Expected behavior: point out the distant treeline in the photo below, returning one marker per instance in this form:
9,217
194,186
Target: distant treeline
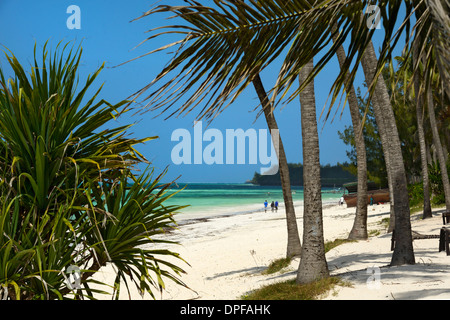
331,176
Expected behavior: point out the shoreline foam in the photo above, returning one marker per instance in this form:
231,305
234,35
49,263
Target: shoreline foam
189,217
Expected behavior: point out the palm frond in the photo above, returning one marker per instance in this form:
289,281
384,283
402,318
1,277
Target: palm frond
215,60
226,45
440,24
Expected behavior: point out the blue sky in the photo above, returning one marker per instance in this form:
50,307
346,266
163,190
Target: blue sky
107,35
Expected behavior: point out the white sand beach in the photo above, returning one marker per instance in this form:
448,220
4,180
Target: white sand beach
226,256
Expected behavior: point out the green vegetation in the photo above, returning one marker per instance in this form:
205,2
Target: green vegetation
290,290
224,48
277,265
385,222
415,190
376,167
331,176
436,184
333,244
70,198
282,263
404,109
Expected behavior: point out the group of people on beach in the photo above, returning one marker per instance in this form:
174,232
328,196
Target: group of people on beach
273,205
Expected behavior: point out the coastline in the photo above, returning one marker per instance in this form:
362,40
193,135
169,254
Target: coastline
226,255
189,217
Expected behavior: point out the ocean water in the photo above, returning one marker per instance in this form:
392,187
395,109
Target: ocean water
207,200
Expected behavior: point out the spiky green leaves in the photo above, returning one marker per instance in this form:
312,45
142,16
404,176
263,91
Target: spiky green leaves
70,196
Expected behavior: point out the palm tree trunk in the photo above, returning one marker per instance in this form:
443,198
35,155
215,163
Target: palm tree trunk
423,149
446,142
403,252
423,158
313,264
438,146
385,142
294,246
445,150
391,226
359,229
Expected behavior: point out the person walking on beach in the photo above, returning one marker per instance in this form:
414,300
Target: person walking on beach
265,206
276,205
341,202
272,205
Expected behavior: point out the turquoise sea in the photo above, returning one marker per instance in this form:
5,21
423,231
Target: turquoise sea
214,199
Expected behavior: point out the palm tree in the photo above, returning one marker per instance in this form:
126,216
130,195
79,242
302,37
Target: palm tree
422,143
403,253
293,245
216,62
359,229
439,149
434,31
385,141
313,263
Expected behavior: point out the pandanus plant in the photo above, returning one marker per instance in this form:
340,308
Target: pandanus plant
70,194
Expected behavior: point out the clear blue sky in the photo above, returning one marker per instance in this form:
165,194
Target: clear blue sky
107,35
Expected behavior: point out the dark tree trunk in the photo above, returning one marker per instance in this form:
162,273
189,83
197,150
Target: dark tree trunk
422,143
403,252
294,247
313,264
359,229
438,147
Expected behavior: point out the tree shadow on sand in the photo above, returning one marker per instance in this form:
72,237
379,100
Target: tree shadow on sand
246,271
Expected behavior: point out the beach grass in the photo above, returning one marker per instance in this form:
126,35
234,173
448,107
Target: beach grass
279,264
290,290
333,244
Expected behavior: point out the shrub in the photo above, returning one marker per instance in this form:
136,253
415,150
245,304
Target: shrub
415,192
436,184
69,195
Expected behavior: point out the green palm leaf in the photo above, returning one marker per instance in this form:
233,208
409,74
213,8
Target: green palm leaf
64,193
227,44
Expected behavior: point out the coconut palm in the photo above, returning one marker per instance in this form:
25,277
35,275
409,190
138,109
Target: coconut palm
435,65
391,147
422,143
293,240
223,47
439,149
359,229
276,26
405,92
313,263
221,70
